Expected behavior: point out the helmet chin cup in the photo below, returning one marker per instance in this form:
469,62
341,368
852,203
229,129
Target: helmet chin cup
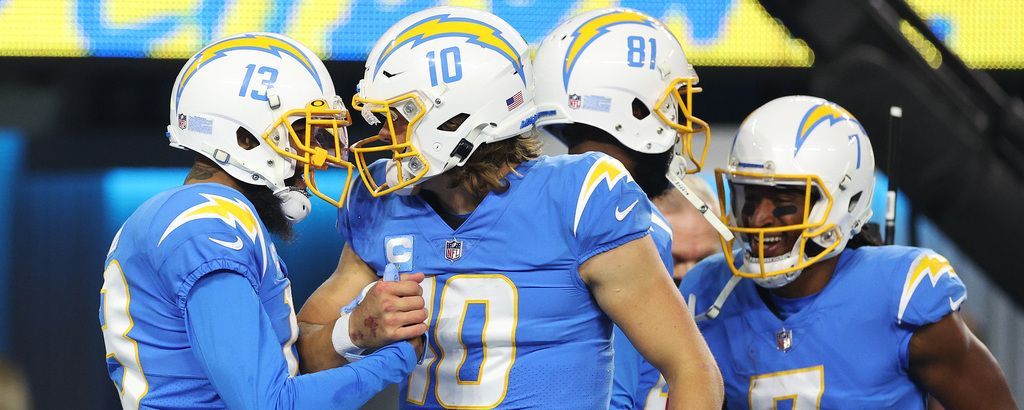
777,281
393,179
295,205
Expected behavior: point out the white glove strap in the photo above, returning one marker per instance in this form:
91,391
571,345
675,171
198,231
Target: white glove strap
340,339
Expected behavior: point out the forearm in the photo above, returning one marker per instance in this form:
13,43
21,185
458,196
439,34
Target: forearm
695,387
633,288
690,372
316,351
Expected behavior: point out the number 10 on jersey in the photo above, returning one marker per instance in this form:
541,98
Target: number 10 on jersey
477,310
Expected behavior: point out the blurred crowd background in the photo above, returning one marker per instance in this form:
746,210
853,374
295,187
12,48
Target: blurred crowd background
85,84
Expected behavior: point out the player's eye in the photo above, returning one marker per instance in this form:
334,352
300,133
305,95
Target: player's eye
323,138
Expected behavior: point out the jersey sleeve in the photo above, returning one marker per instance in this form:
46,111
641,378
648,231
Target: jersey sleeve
661,232
234,341
610,209
198,255
930,289
205,230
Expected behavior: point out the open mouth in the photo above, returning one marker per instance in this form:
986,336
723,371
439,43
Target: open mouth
773,245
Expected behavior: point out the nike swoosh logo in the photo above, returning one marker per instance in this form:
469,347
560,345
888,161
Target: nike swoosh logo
955,304
236,245
620,215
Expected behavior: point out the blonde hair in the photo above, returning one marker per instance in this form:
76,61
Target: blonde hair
486,169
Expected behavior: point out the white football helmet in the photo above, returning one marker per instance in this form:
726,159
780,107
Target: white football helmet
262,83
436,66
809,143
623,72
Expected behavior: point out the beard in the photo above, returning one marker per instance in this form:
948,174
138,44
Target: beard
268,206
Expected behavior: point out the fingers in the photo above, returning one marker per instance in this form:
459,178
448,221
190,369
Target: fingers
415,277
403,319
417,344
411,332
403,304
399,289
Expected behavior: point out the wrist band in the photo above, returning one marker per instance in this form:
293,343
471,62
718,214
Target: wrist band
343,344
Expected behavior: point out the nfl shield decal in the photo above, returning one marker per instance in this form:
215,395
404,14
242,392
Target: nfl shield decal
575,101
453,250
784,340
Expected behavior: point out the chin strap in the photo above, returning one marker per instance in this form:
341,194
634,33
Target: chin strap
675,175
716,307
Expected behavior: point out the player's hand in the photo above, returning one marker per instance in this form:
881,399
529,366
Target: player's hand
390,312
417,344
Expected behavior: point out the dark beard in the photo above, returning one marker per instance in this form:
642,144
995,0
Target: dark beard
268,206
650,169
650,172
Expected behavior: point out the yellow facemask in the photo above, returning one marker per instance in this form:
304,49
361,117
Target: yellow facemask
809,229
688,125
405,109
324,143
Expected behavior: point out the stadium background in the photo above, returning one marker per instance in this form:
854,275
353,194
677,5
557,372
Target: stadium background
84,87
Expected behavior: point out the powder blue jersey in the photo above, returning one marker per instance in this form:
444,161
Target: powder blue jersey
637,383
511,323
847,349
159,253
230,343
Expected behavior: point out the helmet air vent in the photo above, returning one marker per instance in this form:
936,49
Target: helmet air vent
640,111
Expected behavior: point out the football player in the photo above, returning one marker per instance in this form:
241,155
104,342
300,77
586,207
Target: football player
526,258
616,81
826,321
196,308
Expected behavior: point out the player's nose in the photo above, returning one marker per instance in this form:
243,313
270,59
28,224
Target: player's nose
385,134
764,214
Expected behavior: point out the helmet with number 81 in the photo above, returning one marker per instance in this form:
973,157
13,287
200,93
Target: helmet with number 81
636,85
800,179
271,89
444,81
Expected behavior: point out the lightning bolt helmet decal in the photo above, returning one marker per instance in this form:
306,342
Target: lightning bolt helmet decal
444,25
817,115
591,29
258,42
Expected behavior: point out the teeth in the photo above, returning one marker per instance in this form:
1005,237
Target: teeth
769,240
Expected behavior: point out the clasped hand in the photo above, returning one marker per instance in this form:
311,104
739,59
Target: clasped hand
390,312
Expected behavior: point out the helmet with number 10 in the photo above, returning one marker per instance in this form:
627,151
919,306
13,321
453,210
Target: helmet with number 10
455,78
637,85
